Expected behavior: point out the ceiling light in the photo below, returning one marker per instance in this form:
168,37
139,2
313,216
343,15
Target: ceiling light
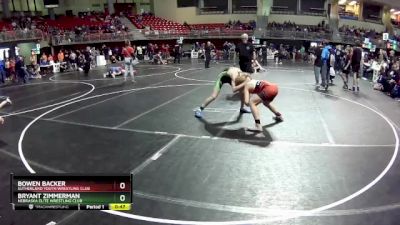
392,10
342,2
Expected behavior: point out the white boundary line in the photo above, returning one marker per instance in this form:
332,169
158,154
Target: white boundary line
108,99
155,108
328,133
211,81
228,208
260,211
59,103
155,156
163,133
177,69
290,215
45,102
255,221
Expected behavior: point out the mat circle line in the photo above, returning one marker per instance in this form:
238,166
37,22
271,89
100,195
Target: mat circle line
242,222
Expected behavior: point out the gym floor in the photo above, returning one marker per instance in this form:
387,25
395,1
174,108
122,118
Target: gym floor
333,161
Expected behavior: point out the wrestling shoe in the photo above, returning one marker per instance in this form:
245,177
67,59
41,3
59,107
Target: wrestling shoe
254,129
8,100
278,119
198,113
244,110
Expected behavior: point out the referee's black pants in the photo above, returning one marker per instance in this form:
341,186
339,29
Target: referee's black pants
246,67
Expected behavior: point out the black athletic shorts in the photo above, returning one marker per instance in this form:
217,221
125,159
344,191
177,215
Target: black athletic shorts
356,68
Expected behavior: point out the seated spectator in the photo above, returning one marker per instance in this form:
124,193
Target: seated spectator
43,59
50,60
158,59
34,72
33,59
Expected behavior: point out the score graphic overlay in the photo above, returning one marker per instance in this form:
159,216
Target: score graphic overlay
71,192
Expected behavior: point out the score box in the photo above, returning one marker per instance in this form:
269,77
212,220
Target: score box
94,192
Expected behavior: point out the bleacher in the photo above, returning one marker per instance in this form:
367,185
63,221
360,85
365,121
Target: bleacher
5,26
70,23
157,23
207,26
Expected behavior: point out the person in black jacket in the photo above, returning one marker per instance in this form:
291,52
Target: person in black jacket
207,52
177,53
20,69
86,66
356,58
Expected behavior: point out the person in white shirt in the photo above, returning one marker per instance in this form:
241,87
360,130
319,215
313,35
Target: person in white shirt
139,52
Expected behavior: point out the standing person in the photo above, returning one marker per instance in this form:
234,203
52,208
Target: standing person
7,101
3,74
72,58
226,50
86,65
12,69
346,68
20,69
128,52
264,53
139,51
245,51
317,64
177,53
356,65
104,51
332,61
325,57
207,51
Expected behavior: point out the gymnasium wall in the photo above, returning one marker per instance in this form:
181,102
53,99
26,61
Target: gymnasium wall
168,9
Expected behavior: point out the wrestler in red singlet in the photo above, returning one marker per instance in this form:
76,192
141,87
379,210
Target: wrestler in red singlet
265,92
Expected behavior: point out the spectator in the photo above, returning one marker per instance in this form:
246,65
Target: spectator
325,57
129,54
43,59
73,60
317,64
20,69
60,56
356,65
139,51
33,59
177,53
207,51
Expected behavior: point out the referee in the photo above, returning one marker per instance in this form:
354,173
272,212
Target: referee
245,51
